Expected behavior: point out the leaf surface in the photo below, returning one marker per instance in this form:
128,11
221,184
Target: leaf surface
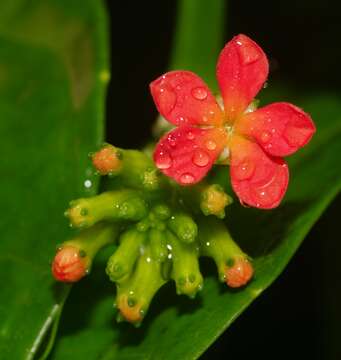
53,71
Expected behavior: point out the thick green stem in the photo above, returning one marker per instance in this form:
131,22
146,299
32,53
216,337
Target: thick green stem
216,242
121,263
183,226
112,205
185,271
133,168
158,244
74,257
91,240
135,294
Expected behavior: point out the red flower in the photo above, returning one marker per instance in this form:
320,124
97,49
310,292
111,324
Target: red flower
253,142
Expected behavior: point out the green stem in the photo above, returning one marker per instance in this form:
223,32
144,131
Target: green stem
112,205
91,240
136,293
183,226
216,242
185,271
121,263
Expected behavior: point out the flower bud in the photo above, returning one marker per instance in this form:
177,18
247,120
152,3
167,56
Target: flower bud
74,257
214,200
240,273
68,264
107,160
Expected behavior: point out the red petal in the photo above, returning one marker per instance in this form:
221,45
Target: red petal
187,153
258,179
182,98
280,128
241,72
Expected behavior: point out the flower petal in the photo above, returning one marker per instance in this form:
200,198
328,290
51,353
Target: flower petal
182,98
280,128
187,153
258,179
242,70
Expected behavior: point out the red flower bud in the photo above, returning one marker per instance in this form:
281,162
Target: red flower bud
130,310
68,265
239,273
107,160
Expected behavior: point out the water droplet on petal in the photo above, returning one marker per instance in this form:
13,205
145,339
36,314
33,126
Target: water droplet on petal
181,120
248,54
245,170
199,93
186,178
210,145
164,161
166,99
265,137
200,158
190,136
171,140
295,136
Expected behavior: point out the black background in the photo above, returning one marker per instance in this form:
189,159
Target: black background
298,317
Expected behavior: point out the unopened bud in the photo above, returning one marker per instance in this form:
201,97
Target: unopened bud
214,200
68,264
240,273
107,160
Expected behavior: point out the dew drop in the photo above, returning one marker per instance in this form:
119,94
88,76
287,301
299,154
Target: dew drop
295,136
164,161
211,145
265,137
248,54
181,120
88,183
199,93
171,140
245,170
187,178
200,158
190,136
262,193
166,99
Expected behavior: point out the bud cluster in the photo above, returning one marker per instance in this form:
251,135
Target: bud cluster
160,231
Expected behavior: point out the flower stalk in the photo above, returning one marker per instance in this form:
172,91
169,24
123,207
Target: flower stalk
75,256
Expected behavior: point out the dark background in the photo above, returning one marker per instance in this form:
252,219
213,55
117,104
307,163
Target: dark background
299,316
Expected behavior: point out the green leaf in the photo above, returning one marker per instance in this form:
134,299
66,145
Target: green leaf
53,72
198,38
